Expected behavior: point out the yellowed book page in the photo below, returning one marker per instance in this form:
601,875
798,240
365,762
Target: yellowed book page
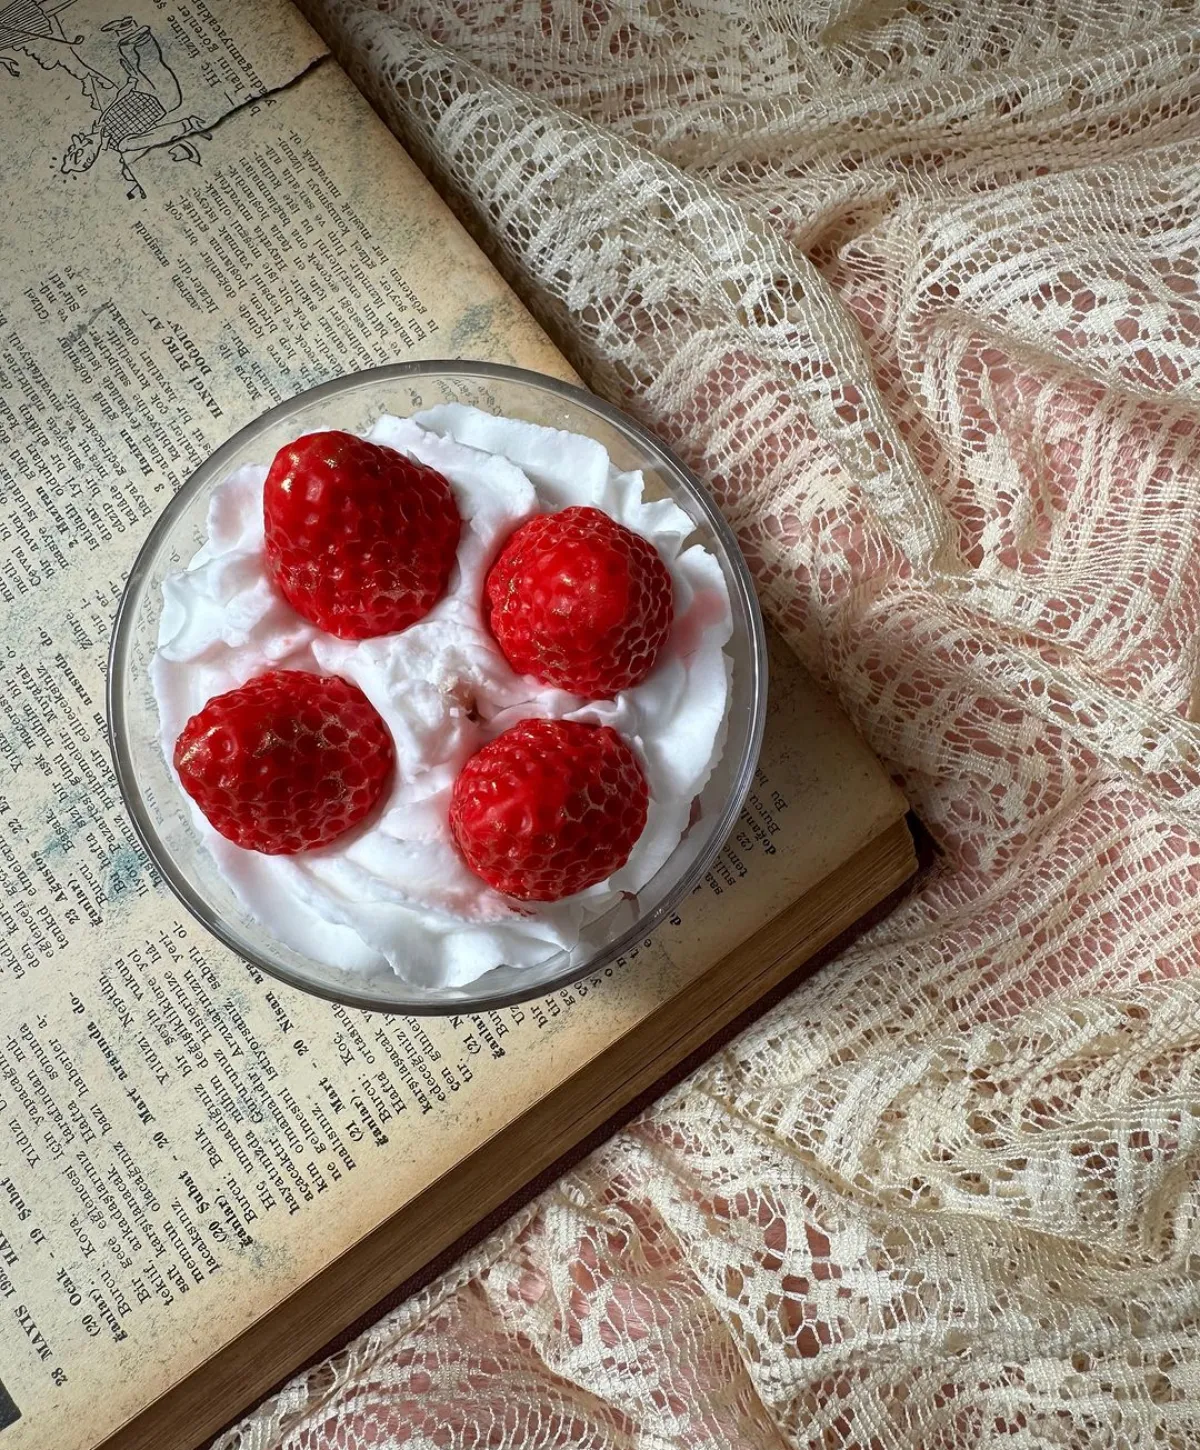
181,1142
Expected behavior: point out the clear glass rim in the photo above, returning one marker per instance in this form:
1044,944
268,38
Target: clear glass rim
118,658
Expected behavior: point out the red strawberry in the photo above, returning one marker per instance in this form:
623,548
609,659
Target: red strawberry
549,808
287,762
579,601
360,539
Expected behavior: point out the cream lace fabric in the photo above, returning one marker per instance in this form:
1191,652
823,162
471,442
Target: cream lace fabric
913,286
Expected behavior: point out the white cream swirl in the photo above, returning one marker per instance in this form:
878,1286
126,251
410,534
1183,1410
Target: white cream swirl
395,893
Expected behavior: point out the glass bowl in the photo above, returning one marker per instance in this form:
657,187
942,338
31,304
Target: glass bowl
157,806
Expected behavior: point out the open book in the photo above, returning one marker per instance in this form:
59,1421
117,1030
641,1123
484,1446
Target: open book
204,1175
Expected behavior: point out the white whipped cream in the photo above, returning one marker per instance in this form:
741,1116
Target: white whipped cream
395,893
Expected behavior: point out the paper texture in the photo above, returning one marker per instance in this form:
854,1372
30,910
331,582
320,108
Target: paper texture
204,217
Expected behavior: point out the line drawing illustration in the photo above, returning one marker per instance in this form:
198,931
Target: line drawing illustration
135,95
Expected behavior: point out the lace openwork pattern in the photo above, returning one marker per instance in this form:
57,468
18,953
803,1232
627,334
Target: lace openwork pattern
913,286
